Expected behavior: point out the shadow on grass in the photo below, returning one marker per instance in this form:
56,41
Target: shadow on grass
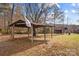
10,47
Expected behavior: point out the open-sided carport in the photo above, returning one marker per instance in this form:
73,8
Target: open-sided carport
22,23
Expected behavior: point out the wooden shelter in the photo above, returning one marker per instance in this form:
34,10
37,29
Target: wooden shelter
21,23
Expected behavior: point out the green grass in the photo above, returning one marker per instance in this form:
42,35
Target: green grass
65,42
73,36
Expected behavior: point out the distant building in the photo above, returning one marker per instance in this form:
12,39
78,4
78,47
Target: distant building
60,28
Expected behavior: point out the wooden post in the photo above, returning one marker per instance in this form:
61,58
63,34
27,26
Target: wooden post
32,34
12,32
51,32
44,34
28,33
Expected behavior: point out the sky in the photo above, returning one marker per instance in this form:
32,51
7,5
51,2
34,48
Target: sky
71,13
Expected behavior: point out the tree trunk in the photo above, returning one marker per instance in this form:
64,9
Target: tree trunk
34,31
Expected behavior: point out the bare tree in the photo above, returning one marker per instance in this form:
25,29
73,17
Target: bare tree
57,14
35,11
61,19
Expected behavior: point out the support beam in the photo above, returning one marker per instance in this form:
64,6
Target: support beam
32,34
28,33
12,32
51,32
44,34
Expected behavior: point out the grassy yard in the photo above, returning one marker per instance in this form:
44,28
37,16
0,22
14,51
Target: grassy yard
65,45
